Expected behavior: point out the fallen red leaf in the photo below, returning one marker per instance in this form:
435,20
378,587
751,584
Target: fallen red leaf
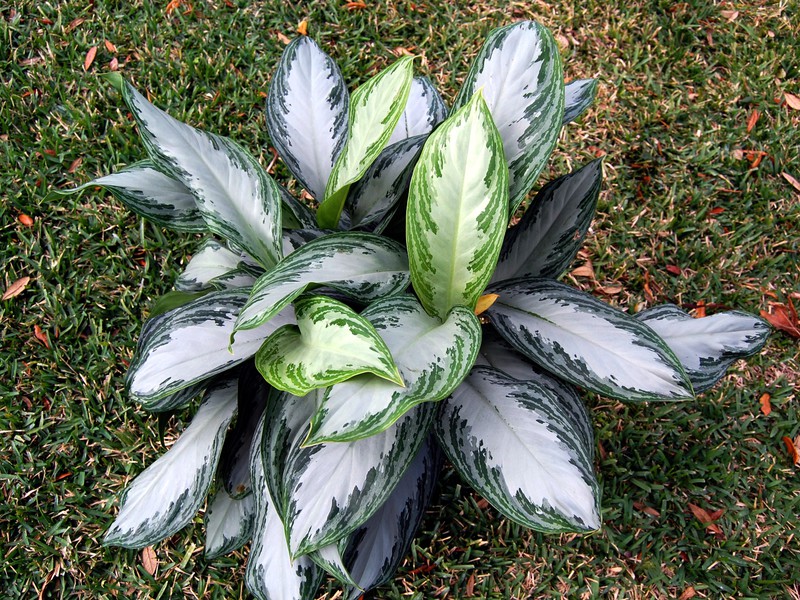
700,309
149,560
673,269
717,210
25,220
355,5
302,28
707,519
16,288
469,590
646,509
792,181
751,122
113,64
791,446
284,40
73,24
75,164
172,6
688,594
110,47
87,62
792,100
766,406
783,318
41,336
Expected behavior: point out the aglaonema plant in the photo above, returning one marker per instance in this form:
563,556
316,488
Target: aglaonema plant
339,354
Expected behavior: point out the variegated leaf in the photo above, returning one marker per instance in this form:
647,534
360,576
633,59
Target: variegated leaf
329,344
272,573
587,342
168,494
307,108
190,344
371,200
296,238
578,96
376,549
234,463
331,559
456,212
432,355
550,233
212,266
514,443
519,70
328,490
363,265
706,347
424,110
229,523
496,352
295,215
151,194
236,197
375,108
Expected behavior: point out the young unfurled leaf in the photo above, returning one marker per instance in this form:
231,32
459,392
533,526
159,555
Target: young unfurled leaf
375,109
329,344
456,210
519,70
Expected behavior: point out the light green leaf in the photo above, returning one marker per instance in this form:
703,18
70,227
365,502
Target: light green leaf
514,442
362,265
329,344
519,70
375,109
456,213
433,356
585,341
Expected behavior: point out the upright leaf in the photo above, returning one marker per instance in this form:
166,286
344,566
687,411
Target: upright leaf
190,344
329,490
168,494
236,197
578,96
307,107
519,70
424,110
362,265
375,108
229,523
586,342
456,210
706,347
550,233
432,355
272,573
329,344
514,443
151,194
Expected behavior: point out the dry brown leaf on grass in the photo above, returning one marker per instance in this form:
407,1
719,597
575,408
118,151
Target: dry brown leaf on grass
41,336
149,560
688,594
708,518
87,62
16,288
25,220
648,510
751,122
792,181
729,15
783,318
585,270
792,100
110,47
793,447
302,28
766,406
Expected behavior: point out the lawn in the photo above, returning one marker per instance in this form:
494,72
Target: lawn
700,207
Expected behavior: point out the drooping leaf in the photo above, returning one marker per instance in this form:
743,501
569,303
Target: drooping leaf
519,70
424,110
229,523
234,194
307,107
375,108
168,494
213,265
706,347
365,266
329,490
272,573
550,233
432,355
190,344
234,462
456,210
371,200
514,443
151,194
376,549
578,96
329,344
587,342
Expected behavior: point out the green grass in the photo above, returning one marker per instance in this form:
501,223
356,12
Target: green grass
678,83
